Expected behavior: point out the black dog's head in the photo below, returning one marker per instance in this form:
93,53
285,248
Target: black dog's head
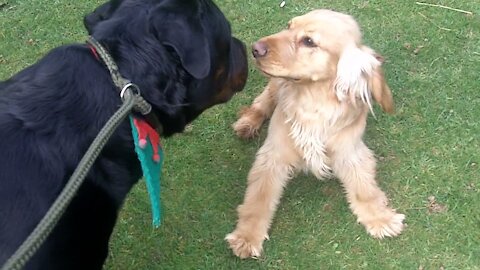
180,52
101,13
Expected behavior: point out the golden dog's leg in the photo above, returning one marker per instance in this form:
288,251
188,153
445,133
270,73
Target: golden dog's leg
355,167
252,118
270,173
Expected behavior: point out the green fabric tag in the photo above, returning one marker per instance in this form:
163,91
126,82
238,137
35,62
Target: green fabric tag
150,155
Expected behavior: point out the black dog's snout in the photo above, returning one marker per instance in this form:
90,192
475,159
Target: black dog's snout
259,49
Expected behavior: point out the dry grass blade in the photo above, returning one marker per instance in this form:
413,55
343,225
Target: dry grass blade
445,7
430,20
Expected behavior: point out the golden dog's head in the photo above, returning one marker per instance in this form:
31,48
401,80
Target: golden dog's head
325,46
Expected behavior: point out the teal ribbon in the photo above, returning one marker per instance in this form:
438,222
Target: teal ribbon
151,172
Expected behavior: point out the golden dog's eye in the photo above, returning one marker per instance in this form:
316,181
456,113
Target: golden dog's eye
308,41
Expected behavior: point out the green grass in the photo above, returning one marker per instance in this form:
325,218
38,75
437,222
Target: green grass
431,147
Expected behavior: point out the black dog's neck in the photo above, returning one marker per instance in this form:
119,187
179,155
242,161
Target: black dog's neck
163,86
122,84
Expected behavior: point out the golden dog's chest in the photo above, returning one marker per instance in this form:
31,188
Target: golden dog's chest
313,119
308,123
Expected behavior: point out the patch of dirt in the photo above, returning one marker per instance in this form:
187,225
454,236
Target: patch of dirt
188,128
410,48
329,191
32,42
327,207
434,207
417,50
471,186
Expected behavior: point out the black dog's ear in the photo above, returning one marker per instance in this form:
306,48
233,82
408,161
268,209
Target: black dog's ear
101,13
184,33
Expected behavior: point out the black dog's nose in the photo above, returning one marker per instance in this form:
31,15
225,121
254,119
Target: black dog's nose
259,49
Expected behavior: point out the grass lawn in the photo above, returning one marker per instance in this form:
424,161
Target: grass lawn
428,153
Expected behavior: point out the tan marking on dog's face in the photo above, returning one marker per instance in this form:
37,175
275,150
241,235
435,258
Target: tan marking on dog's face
311,46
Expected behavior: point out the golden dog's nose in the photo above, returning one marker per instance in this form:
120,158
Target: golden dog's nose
259,49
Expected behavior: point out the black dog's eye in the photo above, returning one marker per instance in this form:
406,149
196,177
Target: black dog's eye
308,41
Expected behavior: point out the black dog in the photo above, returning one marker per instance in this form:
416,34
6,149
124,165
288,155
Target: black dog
182,56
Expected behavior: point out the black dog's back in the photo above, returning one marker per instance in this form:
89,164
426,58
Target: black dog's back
49,114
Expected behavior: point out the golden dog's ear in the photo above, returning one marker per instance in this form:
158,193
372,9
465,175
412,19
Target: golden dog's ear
359,75
378,85
381,92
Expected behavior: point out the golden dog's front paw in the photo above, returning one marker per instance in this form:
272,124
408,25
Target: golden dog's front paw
244,129
249,123
390,225
243,245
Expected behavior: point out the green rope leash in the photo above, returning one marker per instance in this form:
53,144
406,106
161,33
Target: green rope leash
142,106
48,222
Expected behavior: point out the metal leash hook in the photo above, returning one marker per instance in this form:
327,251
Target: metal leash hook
130,86
141,105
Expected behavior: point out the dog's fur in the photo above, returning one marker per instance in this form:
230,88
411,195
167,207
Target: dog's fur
182,56
318,98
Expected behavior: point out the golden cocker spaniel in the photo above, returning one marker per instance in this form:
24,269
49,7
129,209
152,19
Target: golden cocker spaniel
322,80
